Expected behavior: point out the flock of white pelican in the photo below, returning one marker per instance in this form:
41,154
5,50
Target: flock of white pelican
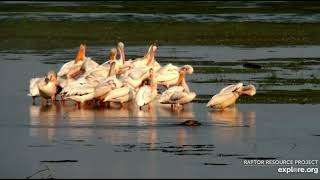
119,81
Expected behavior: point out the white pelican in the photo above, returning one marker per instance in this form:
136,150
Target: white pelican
179,94
228,96
169,74
147,92
48,87
33,84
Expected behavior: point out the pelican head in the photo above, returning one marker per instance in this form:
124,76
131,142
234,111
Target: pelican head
154,48
112,54
187,68
52,75
249,90
120,45
46,80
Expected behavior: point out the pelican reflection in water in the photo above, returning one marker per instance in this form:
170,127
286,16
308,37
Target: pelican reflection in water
44,116
70,116
239,124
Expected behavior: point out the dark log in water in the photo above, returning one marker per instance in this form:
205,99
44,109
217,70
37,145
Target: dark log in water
252,66
60,161
190,123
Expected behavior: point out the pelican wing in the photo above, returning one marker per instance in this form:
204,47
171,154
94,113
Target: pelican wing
102,90
177,96
80,90
67,67
144,96
137,73
220,98
33,86
78,87
124,98
167,76
115,93
186,98
89,64
82,98
231,88
100,71
249,90
167,67
138,62
166,95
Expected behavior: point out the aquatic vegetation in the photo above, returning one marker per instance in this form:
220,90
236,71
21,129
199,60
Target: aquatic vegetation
216,80
65,34
212,7
274,60
273,77
185,149
274,80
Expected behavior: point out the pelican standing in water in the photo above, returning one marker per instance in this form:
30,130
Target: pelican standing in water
179,94
48,87
228,96
147,92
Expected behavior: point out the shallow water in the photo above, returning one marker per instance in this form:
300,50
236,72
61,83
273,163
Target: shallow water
105,143
122,143
175,52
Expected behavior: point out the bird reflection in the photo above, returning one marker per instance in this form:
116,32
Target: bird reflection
126,116
233,117
180,114
44,116
241,124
